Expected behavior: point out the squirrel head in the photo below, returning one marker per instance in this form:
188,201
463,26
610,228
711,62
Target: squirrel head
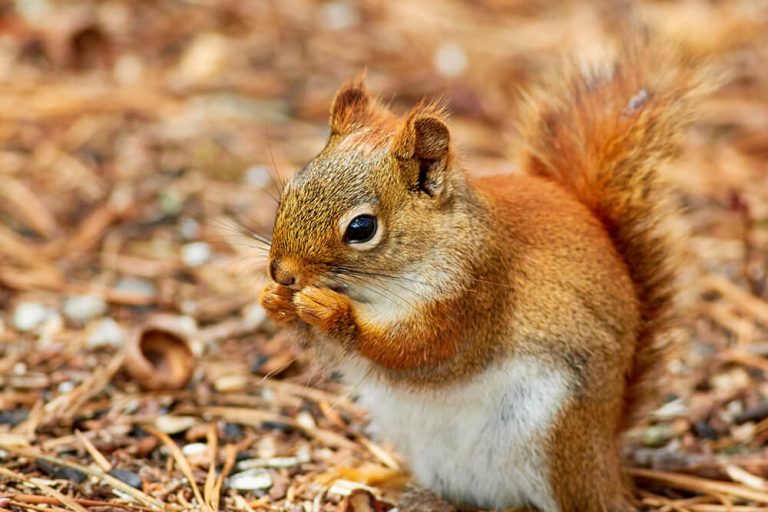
373,204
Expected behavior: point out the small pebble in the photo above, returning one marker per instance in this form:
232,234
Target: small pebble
254,315
339,15
198,454
13,417
731,411
195,254
273,462
671,409
106,333
658,435
734,379
136,430
66,387
285,428
250,480
230,383
306,420
59,472
189,228
50,329
743,433
233,431
757,413
257,176
705,430
170,202
205,58
129,477
29,315
174,424
450,60
193,449
81,308
136,285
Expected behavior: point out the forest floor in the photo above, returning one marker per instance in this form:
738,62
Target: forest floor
137,139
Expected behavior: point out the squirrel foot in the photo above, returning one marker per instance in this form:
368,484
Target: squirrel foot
277,301
322,307
416,499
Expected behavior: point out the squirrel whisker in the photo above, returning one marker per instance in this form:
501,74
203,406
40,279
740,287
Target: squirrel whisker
380,277
277,178
373,287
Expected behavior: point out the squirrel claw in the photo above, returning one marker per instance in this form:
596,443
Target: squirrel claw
321,307
276,300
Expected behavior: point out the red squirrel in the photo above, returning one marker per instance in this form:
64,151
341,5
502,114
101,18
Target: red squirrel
502,331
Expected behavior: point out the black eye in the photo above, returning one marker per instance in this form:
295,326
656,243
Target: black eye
360,229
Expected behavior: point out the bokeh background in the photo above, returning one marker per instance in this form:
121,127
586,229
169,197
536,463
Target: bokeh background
141,146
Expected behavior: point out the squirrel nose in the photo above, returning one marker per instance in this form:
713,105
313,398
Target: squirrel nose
280,274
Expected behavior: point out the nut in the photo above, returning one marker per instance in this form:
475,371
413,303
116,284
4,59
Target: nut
158,354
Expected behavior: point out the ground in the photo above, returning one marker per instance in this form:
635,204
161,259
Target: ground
141,143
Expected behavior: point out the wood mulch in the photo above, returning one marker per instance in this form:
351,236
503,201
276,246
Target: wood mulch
142,143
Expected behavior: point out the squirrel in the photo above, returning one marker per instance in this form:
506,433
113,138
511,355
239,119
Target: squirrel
502,331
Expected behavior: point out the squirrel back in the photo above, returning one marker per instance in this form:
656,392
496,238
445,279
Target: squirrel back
602,136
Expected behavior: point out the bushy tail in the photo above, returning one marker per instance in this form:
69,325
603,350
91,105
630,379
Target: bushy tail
602,136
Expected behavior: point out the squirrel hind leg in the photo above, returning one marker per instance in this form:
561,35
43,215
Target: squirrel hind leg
586,470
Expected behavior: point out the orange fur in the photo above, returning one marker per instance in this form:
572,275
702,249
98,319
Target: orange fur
603,137
571,265
277,301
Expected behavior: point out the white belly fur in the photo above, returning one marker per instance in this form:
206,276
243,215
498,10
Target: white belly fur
477,443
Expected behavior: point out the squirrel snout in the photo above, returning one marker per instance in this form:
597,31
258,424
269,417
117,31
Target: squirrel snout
283,272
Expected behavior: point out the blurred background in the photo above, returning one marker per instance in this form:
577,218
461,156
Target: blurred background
141,142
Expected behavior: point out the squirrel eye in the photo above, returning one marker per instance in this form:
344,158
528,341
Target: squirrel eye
360,229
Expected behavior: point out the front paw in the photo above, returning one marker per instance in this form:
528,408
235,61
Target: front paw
277,301
322,307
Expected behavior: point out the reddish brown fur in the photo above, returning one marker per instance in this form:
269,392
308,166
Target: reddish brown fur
331,312
603,138
585,463
570,264
355,112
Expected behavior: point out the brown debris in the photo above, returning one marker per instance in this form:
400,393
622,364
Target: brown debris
129,130
158,354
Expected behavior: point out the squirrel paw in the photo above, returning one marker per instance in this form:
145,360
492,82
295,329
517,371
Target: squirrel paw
276,300
416,499
321,307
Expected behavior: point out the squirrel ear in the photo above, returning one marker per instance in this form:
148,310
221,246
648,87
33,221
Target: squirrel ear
423,148
350,107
